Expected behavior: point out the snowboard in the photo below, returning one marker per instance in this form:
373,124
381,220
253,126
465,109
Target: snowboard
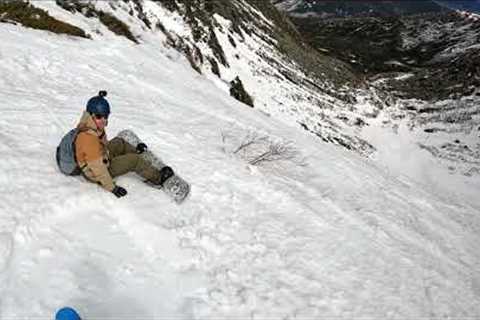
175,186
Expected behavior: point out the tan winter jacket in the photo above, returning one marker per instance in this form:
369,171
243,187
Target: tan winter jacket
92,154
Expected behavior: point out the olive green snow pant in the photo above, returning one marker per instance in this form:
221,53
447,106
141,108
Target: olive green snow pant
124,158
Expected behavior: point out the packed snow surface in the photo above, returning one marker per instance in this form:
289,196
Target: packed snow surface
338,237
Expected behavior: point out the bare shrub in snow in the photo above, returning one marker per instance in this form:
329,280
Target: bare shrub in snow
259,149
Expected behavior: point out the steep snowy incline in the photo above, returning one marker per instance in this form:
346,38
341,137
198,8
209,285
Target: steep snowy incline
338,237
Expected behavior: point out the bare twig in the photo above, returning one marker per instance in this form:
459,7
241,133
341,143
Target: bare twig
257,149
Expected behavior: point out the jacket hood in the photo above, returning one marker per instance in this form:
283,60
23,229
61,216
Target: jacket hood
88,124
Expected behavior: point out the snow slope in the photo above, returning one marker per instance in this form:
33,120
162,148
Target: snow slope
341,237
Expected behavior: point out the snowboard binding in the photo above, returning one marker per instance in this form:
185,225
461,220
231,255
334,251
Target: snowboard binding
165,173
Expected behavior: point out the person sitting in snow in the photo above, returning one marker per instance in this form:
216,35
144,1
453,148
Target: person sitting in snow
101,160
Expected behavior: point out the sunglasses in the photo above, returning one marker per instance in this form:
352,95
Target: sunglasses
101,116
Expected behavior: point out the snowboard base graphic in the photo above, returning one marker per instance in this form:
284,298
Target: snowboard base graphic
175,187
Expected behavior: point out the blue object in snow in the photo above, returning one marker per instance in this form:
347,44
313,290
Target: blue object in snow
67,313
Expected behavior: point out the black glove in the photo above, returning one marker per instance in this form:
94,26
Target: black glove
141,147
119,191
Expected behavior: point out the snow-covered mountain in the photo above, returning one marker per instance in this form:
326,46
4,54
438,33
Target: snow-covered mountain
326,232
425,65
350,8
353,8
463,5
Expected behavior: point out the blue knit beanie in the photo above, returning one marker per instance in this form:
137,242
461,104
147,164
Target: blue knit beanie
99,105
